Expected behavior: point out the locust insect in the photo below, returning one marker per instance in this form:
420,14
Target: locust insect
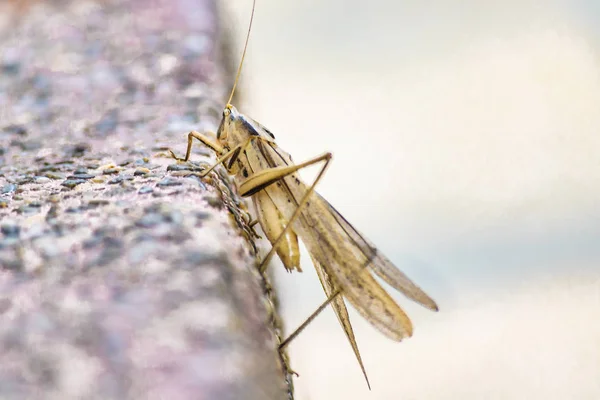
290,210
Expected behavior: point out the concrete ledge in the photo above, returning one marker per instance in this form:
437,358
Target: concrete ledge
122,274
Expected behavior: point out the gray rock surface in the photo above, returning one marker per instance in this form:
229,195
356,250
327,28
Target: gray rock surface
122,274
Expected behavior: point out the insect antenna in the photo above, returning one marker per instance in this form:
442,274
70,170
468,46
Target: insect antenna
239,70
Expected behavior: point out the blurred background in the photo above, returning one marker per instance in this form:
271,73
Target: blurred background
465,139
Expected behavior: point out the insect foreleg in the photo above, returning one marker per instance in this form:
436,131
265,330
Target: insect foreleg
269,176
204,138
233,154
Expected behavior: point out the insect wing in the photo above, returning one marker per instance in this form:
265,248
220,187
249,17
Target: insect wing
339,307
381,265
327,241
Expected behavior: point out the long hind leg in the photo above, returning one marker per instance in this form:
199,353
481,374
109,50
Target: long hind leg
267,177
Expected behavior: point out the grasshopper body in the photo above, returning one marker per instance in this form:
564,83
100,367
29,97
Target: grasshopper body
289,209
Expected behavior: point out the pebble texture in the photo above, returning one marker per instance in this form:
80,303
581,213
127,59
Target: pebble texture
122,273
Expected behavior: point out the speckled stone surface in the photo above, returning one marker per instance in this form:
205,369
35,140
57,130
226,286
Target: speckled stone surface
123,274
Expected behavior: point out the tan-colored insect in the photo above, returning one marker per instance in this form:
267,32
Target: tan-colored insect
288,209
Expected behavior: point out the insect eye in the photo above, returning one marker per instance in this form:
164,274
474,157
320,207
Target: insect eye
226,112
221,134
220,129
